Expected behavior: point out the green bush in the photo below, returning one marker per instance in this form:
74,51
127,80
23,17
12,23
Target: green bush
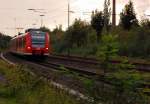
135,43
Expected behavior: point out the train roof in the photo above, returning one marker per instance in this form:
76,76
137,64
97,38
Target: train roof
19,35
32,29
26,31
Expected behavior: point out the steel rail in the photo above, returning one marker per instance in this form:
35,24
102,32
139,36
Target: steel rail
140,65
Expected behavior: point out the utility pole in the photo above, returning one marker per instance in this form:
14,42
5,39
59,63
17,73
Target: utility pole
68,23
68,14
114,13
42,20
69,11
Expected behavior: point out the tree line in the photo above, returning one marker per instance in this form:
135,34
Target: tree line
4,41
83,37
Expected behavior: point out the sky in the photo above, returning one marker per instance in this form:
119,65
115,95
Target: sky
15,13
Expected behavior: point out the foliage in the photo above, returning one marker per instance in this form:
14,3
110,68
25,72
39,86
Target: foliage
145,23
76,35
107,50
97,22
128,16
125,64
125,83
132,40
85,50
57,39
20,87
58,32
4,41
127,86
45,29
134,43
126,80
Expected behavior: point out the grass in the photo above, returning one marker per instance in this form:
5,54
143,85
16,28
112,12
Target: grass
19,87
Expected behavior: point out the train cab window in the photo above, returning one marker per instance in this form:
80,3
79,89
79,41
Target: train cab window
38,39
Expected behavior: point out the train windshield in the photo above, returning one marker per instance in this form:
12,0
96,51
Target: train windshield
38,39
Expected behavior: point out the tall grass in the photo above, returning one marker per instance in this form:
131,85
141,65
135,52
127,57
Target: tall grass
19,87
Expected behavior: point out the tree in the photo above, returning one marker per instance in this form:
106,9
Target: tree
4,41
97,22
128,16
107,50
107,13
58,32
145,23
45,29
76,35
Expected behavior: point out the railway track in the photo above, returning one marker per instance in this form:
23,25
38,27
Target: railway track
62,67
84,67
80,65
50,64
139,64
55,64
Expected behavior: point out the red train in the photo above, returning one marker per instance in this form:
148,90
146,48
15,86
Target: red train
33,42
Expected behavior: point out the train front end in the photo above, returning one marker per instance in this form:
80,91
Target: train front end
38,43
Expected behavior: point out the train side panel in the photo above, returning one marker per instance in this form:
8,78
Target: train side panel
30,44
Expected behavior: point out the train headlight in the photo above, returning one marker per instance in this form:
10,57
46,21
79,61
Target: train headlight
46,48
28,48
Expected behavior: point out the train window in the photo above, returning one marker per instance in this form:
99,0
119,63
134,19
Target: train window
38,39
16,40
19,43
23,42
